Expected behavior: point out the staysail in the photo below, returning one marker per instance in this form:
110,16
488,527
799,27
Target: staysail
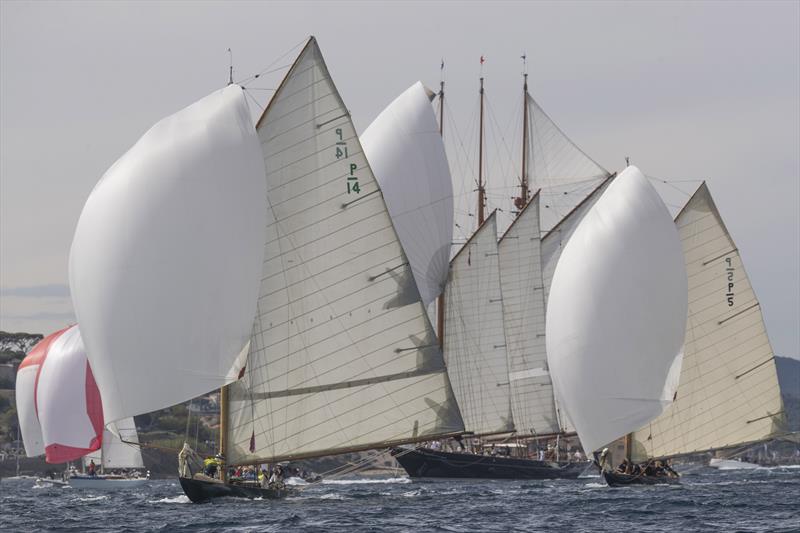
118,451
67,400
25,395
166,259
407,156
474,343
728,392
342,356
532,400
556,165
617,313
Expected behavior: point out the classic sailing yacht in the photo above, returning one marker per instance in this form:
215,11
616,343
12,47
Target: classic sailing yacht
341,356
617,312
494,308
728,395
119,452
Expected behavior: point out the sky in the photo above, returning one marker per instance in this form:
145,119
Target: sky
690,91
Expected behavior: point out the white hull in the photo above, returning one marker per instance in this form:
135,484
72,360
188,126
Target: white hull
731,464
105,483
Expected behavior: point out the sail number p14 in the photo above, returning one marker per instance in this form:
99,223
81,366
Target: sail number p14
342,153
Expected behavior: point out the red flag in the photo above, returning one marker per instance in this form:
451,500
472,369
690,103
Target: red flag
482,60
253,442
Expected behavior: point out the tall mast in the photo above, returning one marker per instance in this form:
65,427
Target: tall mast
223,430
440,300
523,199
481,189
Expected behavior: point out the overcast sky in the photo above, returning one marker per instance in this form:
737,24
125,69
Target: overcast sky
688,90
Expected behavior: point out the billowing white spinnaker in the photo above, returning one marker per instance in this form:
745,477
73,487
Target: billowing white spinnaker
406,153
616,315
166,260
118,452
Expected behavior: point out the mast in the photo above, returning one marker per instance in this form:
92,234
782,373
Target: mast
223,430
522,201
481,189
440,299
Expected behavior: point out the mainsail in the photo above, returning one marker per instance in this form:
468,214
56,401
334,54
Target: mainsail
166,258
474,343
342,354
728,392
118,451
617,313
532,396
406,154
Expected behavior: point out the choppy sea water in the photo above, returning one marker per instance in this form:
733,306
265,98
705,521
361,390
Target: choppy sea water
706,500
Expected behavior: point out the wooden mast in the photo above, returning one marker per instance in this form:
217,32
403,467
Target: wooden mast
481,189
524,178
223,430
440,299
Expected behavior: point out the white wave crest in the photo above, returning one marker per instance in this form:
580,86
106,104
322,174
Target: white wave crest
183,498
364,481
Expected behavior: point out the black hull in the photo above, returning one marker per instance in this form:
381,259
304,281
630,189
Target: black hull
199,490
426,463
616,479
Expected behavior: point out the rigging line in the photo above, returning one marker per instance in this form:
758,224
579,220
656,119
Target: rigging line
253,99
251,78
668,184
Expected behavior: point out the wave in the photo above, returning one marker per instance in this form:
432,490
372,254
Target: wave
183,498
365,481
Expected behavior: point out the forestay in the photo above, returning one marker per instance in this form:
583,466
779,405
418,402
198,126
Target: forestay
406,154
166,259
564,172
728,392
617,313
342,356
119,451
67,400
474,341
532,402
25,395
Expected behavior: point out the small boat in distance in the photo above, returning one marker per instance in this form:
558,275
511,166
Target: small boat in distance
119,461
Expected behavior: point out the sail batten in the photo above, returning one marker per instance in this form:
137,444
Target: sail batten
342,354
728,393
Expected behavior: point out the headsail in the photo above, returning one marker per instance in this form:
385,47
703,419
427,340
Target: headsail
406,154
617,312
519,251
119,451
166,259
25,395
556,165
475,345
342,356
67,400
728,392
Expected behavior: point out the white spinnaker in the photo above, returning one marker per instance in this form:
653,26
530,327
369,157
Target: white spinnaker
406,154
342,356
564,172
616,315
119,451
519,249
67,400
552,244
474,341
166,259
728,392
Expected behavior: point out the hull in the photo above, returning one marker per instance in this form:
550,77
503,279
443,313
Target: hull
201,490
106,483
615,479
427,463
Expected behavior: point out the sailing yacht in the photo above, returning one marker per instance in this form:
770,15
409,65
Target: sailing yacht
119,461
317,333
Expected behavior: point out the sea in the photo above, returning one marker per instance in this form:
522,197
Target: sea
767,499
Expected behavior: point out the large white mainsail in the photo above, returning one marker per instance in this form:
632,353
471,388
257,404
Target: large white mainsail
474,342
617,313
406,154
166,258
532,396
343,356
120,450
728,392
